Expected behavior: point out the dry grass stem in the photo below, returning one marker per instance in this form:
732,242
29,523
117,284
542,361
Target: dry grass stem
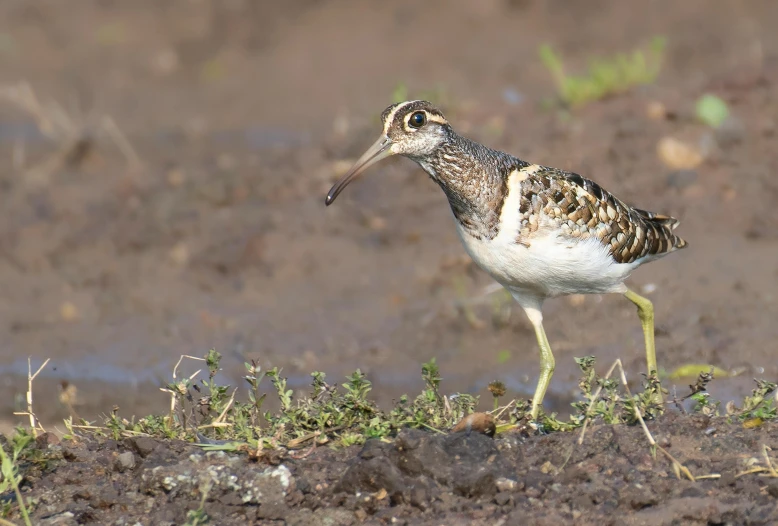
500,410
173,394
768,462
34,424
227,407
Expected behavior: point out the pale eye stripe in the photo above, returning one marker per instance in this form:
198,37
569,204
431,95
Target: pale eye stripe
390,118
435,118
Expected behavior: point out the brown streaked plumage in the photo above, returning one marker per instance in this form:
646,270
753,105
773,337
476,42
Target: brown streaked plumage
581,209
539,231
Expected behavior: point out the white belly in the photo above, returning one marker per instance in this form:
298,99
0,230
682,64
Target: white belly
549,266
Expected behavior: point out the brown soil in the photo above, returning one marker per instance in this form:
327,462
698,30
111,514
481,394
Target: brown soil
243,113
422,478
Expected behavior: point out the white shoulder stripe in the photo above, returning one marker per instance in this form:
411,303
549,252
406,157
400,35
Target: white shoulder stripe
524,172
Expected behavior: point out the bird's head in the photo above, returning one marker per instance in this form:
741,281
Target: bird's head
414,129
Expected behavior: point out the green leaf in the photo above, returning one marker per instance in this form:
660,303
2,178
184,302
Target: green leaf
712,110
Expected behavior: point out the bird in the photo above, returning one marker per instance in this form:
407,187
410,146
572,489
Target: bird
540,232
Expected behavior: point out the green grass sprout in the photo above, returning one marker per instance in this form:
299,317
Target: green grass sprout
605,76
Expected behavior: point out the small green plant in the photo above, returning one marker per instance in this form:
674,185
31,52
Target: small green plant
9,467
711,110
602,398
344,414
760,406
605,76
704,404
198,517
217,418
254,377
430,373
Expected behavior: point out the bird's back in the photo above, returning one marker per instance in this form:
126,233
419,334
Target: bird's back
577,209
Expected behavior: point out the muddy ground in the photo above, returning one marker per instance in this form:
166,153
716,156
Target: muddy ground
241,115
207,227
421,478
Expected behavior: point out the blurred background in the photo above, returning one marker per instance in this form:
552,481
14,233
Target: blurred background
163,167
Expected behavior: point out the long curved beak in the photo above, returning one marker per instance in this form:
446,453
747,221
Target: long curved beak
379,150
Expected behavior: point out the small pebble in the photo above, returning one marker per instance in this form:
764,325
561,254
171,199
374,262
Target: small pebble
502,498
175,177
68,311
125,461
656,111
548,467
179,254
506,485
678,155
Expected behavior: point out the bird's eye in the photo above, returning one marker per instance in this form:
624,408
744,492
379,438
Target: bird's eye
418,119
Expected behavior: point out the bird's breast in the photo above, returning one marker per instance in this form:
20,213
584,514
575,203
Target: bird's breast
547,265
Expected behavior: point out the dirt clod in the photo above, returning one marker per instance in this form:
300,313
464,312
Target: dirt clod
469,465
125,461
143,446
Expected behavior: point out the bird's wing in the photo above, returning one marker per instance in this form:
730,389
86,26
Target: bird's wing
581,209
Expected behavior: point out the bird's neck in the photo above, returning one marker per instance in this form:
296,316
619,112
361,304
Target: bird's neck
474,179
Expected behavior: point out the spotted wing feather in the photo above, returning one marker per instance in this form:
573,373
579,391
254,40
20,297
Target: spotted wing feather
582,209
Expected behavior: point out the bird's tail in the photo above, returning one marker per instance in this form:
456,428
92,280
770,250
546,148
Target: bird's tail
665,225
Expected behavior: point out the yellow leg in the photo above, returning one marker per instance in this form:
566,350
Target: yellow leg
646,315
547,362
